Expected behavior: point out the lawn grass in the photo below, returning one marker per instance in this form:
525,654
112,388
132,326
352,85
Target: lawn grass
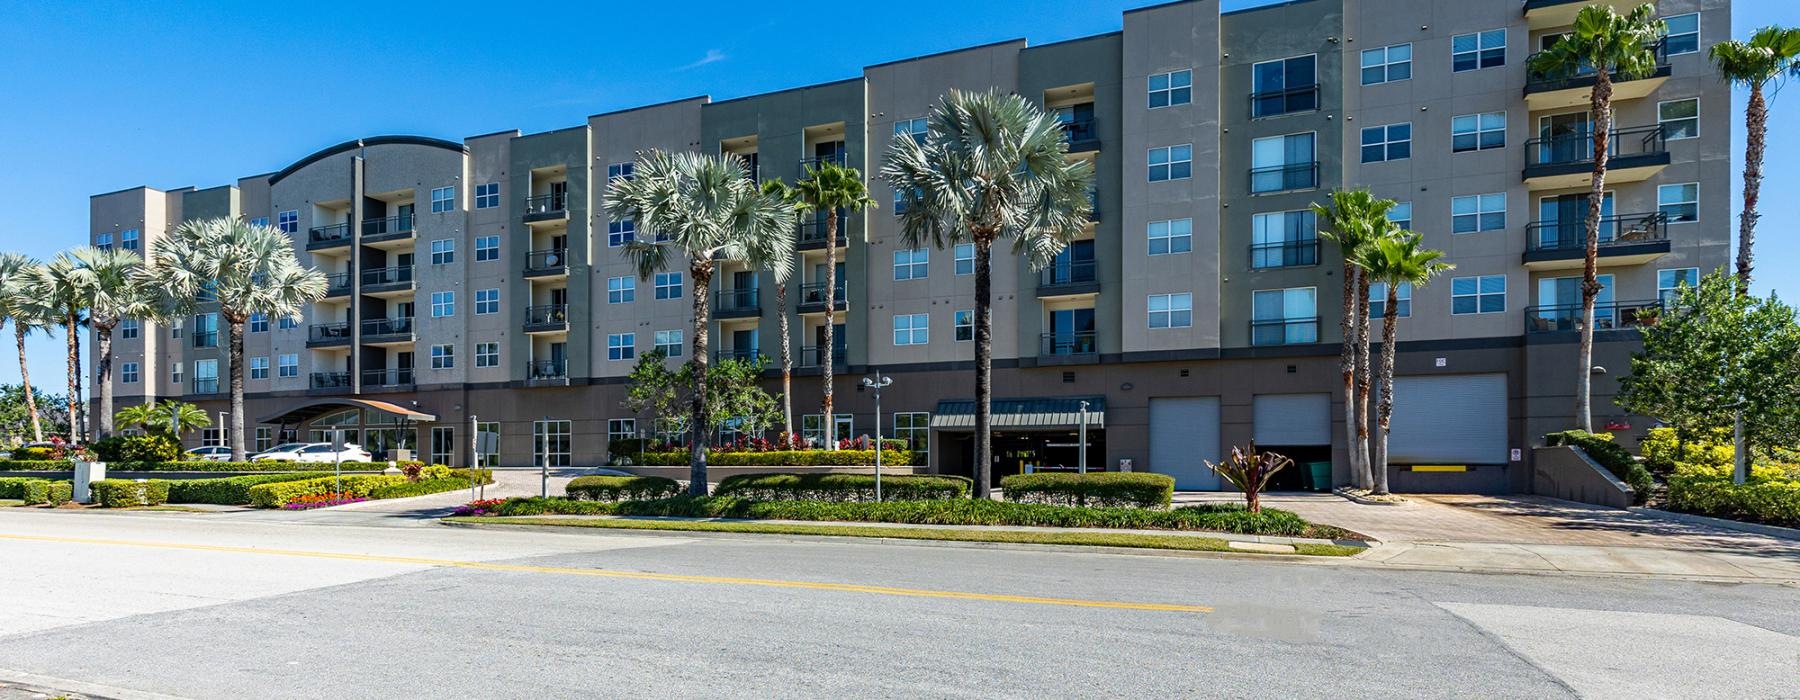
10,502
1090,539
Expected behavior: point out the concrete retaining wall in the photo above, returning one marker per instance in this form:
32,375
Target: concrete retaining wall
1567,473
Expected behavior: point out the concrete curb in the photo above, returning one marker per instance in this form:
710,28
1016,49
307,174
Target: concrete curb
59,687
1786,533
1348,495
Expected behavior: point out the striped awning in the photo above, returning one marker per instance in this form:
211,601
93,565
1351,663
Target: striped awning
1057,412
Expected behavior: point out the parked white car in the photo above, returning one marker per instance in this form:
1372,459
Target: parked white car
210,453
284,452
323,452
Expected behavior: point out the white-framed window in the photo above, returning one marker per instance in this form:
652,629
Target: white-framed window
1478,50
103,240
487,354
487,195
128,329
621,290
259,221
1401,215
1680,202
911,264
1679,119
1478,212
175,327
288,221
1170,237
1386,142
1284,316
1388,64
443,251
128,239
1172,162
287,366
1485,294
1684,33
259,368
812,427
128,371
624,170
913,427
443,304
621,346
487,248
1670,281
1171,310
288,323
965,258
487,301
964,323
1378,299
175,373
916,128
1477,132
620,232
259,322
1171,88
621,429
265,438
443,199
911,329
443,444
443,356
550,441
669,342
668,285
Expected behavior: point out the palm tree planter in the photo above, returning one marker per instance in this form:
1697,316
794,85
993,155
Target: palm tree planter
1770,53
832,188
1394,260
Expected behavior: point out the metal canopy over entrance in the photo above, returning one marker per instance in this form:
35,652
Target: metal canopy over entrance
1015,414
313,409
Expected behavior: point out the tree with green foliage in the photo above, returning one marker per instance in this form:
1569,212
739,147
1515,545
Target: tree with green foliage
734,395
1395,259
116,287
62,287
777,188
1354,220
156,417
27,314
837,191
1771,53
27,417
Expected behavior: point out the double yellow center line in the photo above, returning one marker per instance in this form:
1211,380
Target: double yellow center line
633,575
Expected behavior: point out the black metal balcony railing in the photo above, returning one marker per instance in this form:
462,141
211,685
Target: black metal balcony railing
816,161
394,226
1578,148
812,231
1068,273
813,295
328,332
380,327
547,204
1611,315
1625,229
548,261
1283,178
329,380
547,316
1059,344
547,369
206,339
1093,205
1563,78
1080,132
387,377
743,354
337,284
206,386
738,300
328,235
382,276
1304,98
1285,331
1296,253
811,355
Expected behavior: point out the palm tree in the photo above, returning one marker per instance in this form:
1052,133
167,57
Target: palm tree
155,418
19,305
1354,221
837,190
704,209
1394,259
1605,42
61,285
992,166
1771,52
250,270
777,188
117,287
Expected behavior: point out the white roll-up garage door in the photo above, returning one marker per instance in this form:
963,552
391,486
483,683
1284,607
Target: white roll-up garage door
1293,419
1184,431
1453,419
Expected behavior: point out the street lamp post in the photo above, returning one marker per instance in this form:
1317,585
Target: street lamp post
877,382
1082,458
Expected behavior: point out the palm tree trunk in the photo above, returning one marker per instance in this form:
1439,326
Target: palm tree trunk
1590,266
827,353
1390,319
37,424
1365,470
984,360
1756,126
1347,367
787,364
103,377
235,329
701,270
72,325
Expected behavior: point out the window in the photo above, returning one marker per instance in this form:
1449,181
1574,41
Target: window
621,429
259,322
1282,163
206,376
443,444
128,329
1477,132
288,323
103,241
265,438
1669,282
812,427
487,354
911,329
175,328
175,373
965,325
965,258
1388,64
1680,119
1478,295
1478,212
206,331
913,427
259,368
443,357
287,366
669,343
443,199
487,248
910,264
1284,239
550,442
1171,163
487,301
260,221
1171,88
1684,34
620,232
1284,316
443,304
1477,51
1285,86
1680,203
128,239
443,251
1401,215
915,128
288,221
621,290
128,372
1378,300
1171,310
1170,237
668,285
487,195
620,170
1385,143
621,346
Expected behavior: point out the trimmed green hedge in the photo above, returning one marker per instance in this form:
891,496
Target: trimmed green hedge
64,465
785,458
842,487
621,488
371,486
126,493
1102,489
231,490
41,491
424,487
1601,448
14,486
1772,502
35,465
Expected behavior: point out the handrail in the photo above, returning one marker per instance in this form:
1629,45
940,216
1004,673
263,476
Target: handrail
1295,253
1579,148
1274,103
1260,336
1052,344
1285,177
1623,229
1611,315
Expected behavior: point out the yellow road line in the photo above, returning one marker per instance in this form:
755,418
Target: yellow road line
635,575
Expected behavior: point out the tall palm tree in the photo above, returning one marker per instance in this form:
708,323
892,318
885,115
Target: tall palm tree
117,287
837,190
992,166
61,285
1355,220
250,270
22,308
777,188
700,209
1770,53
1604,42
1393,260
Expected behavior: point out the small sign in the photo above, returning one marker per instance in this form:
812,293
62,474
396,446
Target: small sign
488,442
1518,455
1442,362
1124,464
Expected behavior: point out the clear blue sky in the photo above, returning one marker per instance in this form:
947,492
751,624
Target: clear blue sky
103,96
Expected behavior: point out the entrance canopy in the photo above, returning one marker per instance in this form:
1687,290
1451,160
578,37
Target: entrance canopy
313,409
1058,412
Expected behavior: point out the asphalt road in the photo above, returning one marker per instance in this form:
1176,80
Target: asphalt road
208,607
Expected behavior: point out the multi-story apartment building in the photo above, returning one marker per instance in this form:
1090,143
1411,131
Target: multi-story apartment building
1200,310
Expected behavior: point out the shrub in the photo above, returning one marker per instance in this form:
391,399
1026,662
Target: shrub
228,491
1106,489
459,479
842,487
1661,451
40,491
34,465
785,458
126,493
621,488
1616,459
370,486
1768,496
192,466
14,486
38,454
156,447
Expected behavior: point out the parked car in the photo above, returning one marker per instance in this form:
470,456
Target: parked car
210,453
284,452
324,452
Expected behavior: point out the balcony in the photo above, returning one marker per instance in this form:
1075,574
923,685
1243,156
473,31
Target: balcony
325,335
1068,278
815,162
1081,135
739,354
547,372
329,381
1567,161
388,331
1550,14
547,318
1279,254
1565,88
331,236
738,303
397,378
812,358
1067,345
547,208
206,386
1093,206
206,339
1608,316
337,285
1275,103
812,233
1631,239
387,230
812,298
1284,178
1285,331
553,262
388,281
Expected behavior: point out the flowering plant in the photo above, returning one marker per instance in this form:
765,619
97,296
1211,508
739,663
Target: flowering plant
484,506
322,500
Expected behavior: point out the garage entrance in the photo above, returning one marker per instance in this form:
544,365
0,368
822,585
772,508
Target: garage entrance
1029,435
1449,434
1184,431
1296,426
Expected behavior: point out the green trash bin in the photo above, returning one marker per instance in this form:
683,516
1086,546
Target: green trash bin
1319,474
